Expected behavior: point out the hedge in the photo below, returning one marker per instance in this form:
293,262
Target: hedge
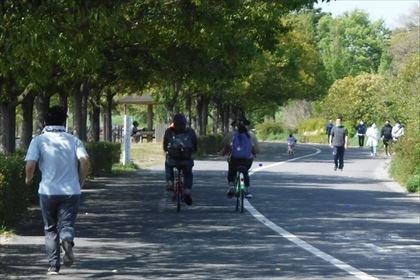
15,196
270,131
405,166
209,144
102,156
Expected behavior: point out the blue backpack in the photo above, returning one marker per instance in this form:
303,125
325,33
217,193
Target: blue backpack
241,146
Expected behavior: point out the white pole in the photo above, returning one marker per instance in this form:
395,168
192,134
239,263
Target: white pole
126,148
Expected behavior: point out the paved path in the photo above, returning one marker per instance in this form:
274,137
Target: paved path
306,221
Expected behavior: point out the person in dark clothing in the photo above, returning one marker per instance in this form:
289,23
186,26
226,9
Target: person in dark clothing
328,129
134,132
386,135
338,141
361,132
179,143
243,158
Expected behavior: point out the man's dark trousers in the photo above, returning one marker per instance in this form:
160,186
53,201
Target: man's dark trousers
361,140
339,157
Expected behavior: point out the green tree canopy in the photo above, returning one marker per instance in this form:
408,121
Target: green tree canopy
352,44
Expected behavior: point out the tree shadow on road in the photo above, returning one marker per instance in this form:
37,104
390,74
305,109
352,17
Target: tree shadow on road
128,229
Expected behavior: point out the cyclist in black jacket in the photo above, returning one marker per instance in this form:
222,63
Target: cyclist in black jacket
179,143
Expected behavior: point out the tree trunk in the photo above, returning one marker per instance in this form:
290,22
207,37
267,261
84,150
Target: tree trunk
204,115
213,116
108,117
77,113
63,99
84,109
8,127
27,123
226,122
42,103
188,108
199,105
95,117
219,118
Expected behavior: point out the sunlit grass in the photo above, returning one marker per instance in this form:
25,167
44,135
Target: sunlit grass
146,155
119,168
6,232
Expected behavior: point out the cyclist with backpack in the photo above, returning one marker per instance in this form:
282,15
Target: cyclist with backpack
179,143
241,145
291,143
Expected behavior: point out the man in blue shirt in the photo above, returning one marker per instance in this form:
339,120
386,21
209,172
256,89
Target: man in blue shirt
64,165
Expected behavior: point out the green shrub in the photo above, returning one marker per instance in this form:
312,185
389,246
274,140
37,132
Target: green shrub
270,131
102,156
313,131
209,144
413,183
405,166
351,128
14,194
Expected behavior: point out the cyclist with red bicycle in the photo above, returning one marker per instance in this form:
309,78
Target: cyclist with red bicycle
179,143
242,146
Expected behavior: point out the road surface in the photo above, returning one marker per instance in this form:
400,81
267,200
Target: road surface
306,221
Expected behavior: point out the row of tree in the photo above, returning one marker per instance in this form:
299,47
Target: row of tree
392,91
192,54
223,57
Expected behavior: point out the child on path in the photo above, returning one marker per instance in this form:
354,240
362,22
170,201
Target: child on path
291,143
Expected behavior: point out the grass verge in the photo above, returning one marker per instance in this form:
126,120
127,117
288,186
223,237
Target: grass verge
146,155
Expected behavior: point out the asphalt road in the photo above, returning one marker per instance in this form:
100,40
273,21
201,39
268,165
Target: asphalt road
306,221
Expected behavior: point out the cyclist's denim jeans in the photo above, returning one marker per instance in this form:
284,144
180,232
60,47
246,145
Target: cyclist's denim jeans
59,214
186,167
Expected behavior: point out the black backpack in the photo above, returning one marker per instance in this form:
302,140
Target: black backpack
180,146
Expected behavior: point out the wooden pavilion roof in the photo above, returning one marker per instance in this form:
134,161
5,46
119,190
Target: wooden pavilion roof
136,99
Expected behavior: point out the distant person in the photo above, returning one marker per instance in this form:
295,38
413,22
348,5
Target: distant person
338,141
386,135
328,129
373,136
291,143
135,132
241,146
64,165
397,131
361,131
179,143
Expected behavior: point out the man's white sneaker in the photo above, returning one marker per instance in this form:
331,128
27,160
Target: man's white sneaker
53,271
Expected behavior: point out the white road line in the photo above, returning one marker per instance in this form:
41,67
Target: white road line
299,242
376,248
282,162
408,273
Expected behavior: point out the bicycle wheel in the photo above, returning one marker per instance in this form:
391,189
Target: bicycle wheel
179,191
242,200
178,199
237,190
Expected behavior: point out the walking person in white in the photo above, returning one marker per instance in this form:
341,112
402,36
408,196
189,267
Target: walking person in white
397,131
373,136
64,165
